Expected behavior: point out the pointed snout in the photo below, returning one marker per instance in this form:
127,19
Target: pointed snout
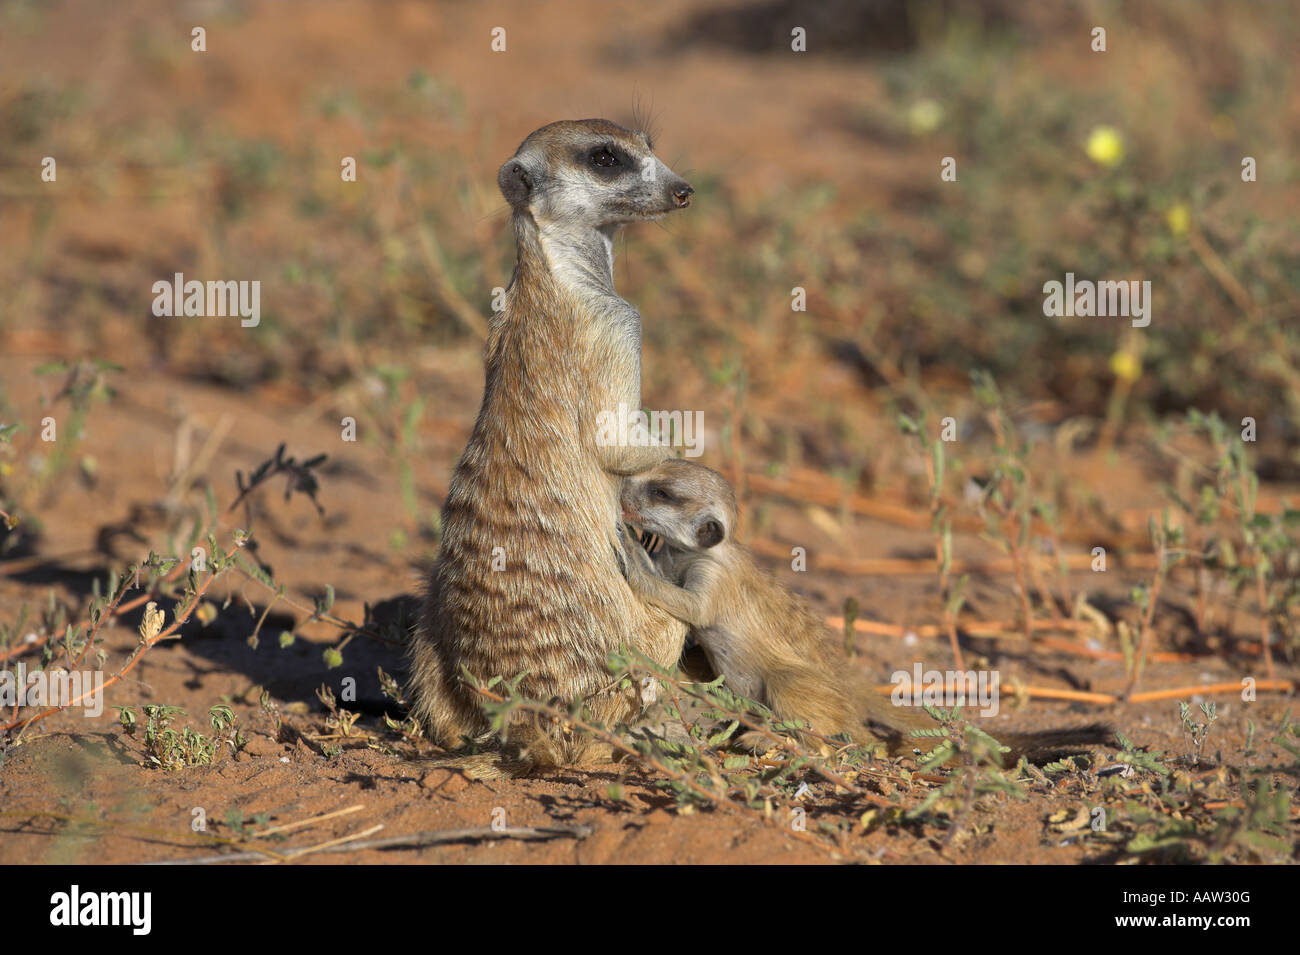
682,193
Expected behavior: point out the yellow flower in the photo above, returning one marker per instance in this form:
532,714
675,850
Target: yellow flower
1126,366
1105,146
1179,218
924,117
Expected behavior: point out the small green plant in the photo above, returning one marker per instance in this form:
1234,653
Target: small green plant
953,595
409,729
171,749
51,447
1139,758
1195,733
271,710
1068,764
389,686
126,718
235,820
1167,541
1006,501
340,721
976,761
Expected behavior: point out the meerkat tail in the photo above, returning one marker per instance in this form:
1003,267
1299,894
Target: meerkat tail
893,725
1046,745
811,694
492,765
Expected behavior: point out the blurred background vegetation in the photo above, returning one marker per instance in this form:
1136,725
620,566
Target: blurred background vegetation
818,170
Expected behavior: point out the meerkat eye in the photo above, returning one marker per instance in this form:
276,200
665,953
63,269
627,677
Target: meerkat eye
603,157
659,494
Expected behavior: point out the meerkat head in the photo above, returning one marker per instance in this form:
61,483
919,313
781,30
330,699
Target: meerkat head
690,506
590,173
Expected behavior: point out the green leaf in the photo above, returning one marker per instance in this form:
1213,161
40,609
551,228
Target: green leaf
720,737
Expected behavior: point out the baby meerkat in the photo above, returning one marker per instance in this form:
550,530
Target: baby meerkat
762,638
529,577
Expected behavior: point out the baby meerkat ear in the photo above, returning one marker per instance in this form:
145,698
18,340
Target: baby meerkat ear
516,183
709,534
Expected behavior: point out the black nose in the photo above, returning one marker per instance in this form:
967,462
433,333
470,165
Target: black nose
682,194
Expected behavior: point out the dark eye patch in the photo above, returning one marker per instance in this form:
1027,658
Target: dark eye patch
609,160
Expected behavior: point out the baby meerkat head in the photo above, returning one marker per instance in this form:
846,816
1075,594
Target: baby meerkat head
690,506
590,173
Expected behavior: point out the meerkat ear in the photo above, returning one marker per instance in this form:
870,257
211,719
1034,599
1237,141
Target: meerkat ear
515,182
709,534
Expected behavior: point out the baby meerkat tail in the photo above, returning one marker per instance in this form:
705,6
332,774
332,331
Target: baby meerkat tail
808,694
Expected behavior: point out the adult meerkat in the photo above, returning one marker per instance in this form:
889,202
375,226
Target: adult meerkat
529,577
760,636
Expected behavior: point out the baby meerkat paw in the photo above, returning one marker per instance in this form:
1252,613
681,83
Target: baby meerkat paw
638,560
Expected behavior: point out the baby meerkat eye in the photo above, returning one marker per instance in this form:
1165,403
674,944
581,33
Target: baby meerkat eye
659,494
603,157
